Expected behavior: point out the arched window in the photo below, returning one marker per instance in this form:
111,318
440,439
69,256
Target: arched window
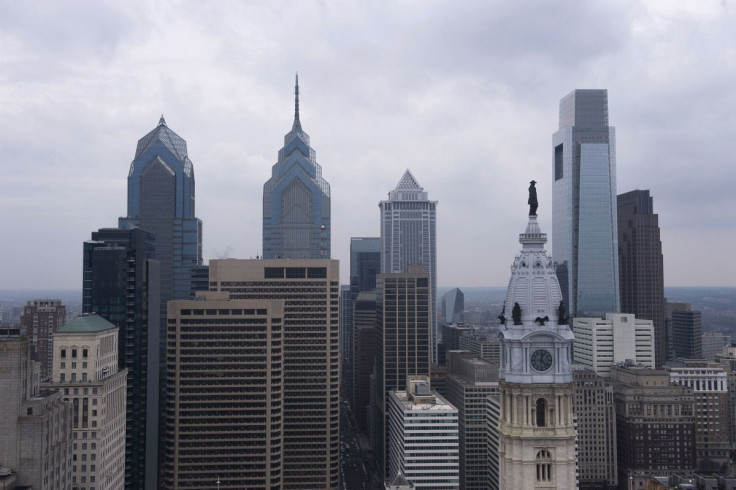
544,466
541,412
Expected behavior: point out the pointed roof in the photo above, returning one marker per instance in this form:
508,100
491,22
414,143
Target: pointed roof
162,133
408,182
400,482
85,323
297,124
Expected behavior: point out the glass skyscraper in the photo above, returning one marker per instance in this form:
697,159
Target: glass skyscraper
161,201
584,222
296,200
409,237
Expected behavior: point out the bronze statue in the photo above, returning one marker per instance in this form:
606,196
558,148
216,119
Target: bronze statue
561,316
533,203
516,314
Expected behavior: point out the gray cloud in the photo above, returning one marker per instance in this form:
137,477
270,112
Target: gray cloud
466,95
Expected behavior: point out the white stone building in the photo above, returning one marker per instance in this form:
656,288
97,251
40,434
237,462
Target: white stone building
85,369
601,342
423,437
536,432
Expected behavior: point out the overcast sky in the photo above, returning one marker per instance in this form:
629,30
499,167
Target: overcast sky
465,94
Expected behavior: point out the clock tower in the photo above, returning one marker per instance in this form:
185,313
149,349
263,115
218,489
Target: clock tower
536,431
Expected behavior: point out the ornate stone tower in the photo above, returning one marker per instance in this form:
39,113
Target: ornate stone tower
536,431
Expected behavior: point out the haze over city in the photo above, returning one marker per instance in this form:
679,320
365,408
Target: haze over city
464,95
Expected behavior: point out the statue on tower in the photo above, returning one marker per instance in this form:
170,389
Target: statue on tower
533,203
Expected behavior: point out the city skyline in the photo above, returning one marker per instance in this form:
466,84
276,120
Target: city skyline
466,96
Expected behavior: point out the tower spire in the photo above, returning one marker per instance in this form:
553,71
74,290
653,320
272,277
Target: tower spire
297,123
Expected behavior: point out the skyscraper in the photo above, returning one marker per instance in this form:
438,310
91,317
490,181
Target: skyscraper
536,433
641,269
584,221
311,402
225,393
452,306
41,319
121,284
687,334
409,237
296,200
161,201
365,264
403,344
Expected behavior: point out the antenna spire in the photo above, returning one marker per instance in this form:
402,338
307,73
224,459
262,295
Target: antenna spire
297,123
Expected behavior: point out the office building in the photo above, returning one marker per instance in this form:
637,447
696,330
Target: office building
403,344
311,406
709,383
641,269
584,221
423,436
687,334
470,381
364,355
296,200
452,306
452,333
86,371
35,423
121,283
225,393
601,342
41,318
483,344
537,440
161,201
409,237
713,344
535,373
655,422
365,264
595,413
492,416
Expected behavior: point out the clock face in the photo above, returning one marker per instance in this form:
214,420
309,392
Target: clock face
541,360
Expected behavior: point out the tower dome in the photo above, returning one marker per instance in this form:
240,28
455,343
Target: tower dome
533,284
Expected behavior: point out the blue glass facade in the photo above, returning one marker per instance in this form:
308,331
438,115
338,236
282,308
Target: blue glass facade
296,201
585,237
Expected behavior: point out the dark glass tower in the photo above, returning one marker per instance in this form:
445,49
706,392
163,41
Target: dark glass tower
584,222
641,269
296,200
121,284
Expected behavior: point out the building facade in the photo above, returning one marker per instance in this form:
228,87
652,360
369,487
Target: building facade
409,237
423,436
121,283
364,354
655,422
296,200
452,306
584,220
35,422
470,381
687,334
595,415
161,201
86,371
225,393
41,318
311,406
599,343
709,383
641,267
403,344
537,436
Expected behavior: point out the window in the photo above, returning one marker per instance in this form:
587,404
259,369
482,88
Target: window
541,412
544,466
74,353
558,162
63,353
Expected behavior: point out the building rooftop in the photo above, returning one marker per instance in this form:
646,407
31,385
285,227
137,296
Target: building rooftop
434,403
88,322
